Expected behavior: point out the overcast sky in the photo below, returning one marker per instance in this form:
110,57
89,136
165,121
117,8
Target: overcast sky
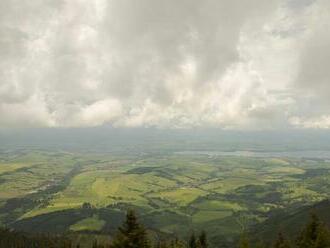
232,64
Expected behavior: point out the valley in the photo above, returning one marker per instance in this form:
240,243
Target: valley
174,193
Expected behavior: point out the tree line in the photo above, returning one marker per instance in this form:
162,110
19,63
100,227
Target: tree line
132,234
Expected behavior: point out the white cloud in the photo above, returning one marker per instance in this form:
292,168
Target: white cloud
174,64
322,122
99,113
31,112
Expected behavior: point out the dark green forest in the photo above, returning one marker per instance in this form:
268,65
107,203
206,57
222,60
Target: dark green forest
132,234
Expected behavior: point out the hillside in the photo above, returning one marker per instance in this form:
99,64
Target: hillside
290,222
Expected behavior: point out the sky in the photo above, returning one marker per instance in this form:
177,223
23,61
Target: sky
229,64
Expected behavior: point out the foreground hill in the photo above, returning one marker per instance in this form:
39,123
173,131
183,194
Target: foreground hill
290,222
132,234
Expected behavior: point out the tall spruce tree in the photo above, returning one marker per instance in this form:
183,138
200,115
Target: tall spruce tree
95,245
244,242
260,244
281,242
323,237
202,240
131,234
161,244
314,235
176,243
192,241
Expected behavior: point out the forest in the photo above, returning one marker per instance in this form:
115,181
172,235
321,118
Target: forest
132,234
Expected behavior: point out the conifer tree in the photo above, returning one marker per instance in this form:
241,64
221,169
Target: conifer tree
314,235
131,234
192,241
281,242
244,242
202,240
323,237
161,244
260,244
176,243
95,244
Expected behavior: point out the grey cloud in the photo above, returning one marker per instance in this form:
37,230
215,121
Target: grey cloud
153,63
299,4
161,35
313,78
314,73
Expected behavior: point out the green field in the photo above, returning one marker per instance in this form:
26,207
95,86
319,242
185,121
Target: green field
173,193
92,224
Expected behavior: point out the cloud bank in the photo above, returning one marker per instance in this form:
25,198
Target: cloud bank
169,64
